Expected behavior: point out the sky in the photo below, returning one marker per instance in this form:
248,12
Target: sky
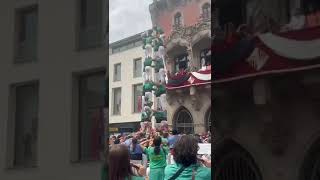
127,18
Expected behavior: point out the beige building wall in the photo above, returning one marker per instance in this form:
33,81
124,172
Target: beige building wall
126,59
58,61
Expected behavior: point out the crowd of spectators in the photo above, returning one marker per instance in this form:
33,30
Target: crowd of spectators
157,156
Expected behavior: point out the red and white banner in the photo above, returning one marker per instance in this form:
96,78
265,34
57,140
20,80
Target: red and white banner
277,53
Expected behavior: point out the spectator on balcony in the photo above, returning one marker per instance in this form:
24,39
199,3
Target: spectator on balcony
313,17
297,21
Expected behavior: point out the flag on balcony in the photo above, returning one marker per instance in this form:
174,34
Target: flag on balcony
272,53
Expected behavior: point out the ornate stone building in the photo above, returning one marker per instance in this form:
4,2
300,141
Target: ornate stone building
265,101
187,26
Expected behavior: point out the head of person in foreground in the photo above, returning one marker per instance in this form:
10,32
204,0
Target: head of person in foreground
185,150
119,157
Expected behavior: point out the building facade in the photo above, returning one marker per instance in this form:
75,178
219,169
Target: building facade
266,120
125,84
53,57
187,26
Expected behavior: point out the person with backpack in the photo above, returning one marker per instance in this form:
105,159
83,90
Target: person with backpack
186,165
157,156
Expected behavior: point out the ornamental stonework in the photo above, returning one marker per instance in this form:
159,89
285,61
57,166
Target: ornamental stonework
188,32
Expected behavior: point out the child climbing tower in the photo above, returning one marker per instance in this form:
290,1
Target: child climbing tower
154,85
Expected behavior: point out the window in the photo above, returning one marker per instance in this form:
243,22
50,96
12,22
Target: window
91,121
181,62
26,125
206,12
184,121
26,34
137,95
311,164
116,101
117,72
178,19
205,57
91,32
137,71
234,162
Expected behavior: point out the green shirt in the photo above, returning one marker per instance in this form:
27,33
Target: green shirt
160,116
147,87
157,161
147,62
158,65
103,173
161,89
202,173
164,141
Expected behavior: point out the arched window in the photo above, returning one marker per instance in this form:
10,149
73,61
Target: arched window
178,19
206,11
232,162
181,62
183,121
310,169
205,57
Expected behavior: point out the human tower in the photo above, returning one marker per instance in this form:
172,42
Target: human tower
154,115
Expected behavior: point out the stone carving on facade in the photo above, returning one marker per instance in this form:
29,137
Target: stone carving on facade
180,96
275,135
275,132
170,98
195,102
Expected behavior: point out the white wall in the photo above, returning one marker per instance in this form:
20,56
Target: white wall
126,58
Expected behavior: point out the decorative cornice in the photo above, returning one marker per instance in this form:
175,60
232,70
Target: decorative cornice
187,32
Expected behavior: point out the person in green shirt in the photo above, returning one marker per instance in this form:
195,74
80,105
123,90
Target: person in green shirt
121,168
187,166
157,156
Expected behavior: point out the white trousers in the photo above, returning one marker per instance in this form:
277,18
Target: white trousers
148,51
161,51
148,95
163,102
148,74
162,75
143,101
